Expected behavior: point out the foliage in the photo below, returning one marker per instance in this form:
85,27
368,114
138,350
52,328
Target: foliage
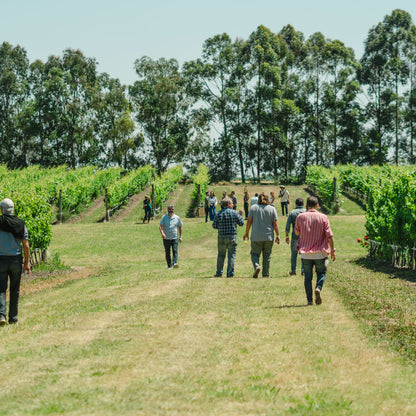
166,183
203,179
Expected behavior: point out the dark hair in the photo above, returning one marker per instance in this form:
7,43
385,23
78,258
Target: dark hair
312,202
299,202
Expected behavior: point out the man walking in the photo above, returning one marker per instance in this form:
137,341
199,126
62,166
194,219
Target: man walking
316,242
262,217
13,237
291,220
171,230
226,222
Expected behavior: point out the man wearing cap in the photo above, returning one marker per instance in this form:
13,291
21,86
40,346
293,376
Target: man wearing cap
171,230
284,199
13,241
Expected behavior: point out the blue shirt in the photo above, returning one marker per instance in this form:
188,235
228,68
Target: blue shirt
226,222
291,219
9,245
171,226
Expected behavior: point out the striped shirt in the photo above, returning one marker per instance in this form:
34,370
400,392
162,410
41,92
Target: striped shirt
226,222
314,230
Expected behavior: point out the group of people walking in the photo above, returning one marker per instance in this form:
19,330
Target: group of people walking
311,236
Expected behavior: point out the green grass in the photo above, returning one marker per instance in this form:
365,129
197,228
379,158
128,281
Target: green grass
134,338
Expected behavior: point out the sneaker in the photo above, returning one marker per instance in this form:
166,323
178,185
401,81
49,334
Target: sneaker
310,303
318,299
2,320
217,275
169,267
176,265
256,272
292,273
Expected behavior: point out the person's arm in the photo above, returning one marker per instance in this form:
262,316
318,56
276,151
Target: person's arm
248,226
180,233
332,247
161,231
288,222
276,230
26,252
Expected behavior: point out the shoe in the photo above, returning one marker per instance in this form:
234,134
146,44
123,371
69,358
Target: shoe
2,320
169,267
318,299
176,265
292,273
256,272
217,275
310,303
230,275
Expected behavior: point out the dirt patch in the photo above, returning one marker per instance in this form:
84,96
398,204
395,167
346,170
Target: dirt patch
133,202
38,281
96,204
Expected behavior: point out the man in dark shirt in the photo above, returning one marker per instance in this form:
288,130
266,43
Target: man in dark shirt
13,235
291,221
226,222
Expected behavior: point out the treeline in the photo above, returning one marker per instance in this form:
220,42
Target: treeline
269,105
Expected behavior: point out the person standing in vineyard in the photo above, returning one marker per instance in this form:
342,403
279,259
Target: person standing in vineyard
171,230
147,209
284,199
13,237
316,242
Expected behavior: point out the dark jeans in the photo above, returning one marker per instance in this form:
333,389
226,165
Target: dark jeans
147,214
226,245
284,208
10,268
206,213
171,245
320,267
293,255
246,209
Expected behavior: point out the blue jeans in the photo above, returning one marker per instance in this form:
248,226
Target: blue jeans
171,244
226,244
10,268
320,267
212,213
293,255
265,247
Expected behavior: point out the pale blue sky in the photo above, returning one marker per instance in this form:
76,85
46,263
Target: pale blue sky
116,33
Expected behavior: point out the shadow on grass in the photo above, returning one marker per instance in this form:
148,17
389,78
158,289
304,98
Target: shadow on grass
381,267
304,305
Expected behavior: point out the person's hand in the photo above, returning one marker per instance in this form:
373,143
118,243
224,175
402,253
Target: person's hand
240,212
245,237
26,269
277,239
333,255
163,235
180,239
287,240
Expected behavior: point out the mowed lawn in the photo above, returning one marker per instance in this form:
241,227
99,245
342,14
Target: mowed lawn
129,337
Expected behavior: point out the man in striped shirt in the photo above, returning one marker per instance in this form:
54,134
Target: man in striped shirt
316,242
226,222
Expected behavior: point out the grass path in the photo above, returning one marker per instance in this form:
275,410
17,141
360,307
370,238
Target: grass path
135,338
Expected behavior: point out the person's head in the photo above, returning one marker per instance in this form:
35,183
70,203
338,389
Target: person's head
211,193
226,202
232,193
207,193
147,197
246,193
282,187
7,206
299,202
264,199
312,202
256,194
272,193
171,210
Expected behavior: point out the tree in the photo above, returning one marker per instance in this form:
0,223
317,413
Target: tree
161,107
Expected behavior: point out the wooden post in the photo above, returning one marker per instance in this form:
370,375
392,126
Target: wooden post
107,216
153,197
335,198
198,196
60,206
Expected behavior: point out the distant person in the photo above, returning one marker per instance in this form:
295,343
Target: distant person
226,222
254,200
272,198
13,243
284,199
234,199
246,204
212,202
148,210
291,221
171,230
316,242
206,206
262,219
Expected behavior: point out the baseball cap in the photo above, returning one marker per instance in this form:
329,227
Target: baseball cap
7,205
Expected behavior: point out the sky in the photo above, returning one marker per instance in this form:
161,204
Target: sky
116,33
